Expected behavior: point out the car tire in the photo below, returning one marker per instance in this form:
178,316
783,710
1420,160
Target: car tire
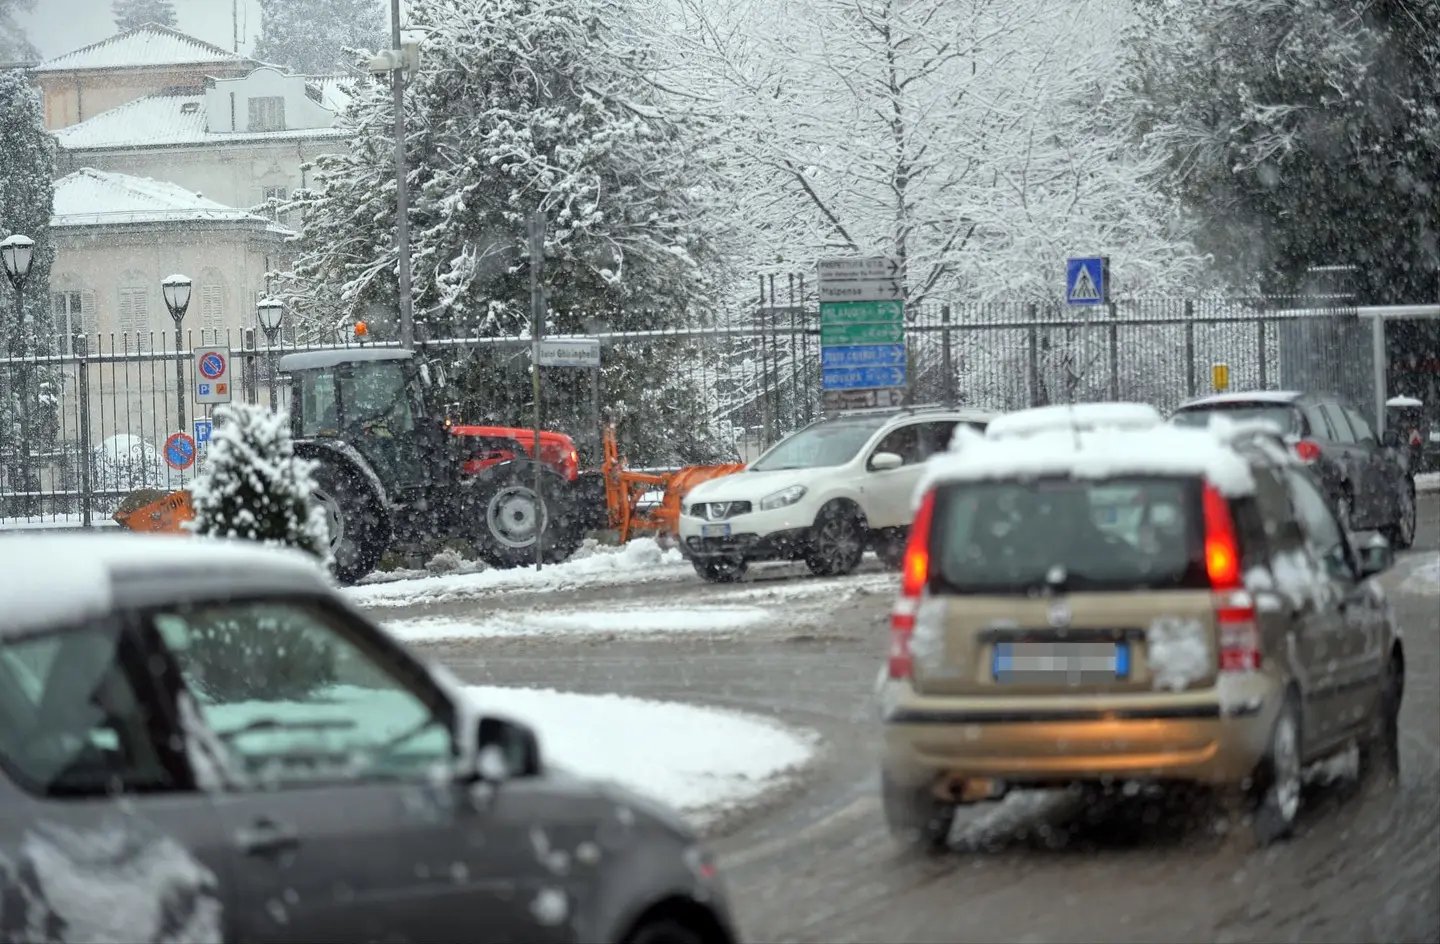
890,548
665,931
1380,749
353,513
511,519
720,570
918,820
837,541
1401,534
1272,803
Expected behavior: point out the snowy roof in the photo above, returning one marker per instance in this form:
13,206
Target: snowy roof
145,47
1093,454
53,579
98,198
316,360
1068,417
335,91
1254,396
166,120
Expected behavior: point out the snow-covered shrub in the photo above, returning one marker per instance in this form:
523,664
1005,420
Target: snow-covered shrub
446,561
253,487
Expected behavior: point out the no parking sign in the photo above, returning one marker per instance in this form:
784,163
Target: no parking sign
212,375
179,451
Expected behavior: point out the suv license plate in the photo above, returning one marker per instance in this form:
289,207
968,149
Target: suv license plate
1051,663
714,530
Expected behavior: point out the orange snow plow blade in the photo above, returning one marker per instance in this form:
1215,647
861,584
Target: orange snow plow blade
155,511
624,491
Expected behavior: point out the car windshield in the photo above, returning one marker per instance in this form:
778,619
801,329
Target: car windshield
1022,537
1278,415
819,446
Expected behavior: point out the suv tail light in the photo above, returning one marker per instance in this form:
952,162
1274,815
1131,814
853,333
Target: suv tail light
914,575
1237,632
1307,450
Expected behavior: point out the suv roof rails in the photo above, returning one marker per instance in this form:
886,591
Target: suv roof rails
898,410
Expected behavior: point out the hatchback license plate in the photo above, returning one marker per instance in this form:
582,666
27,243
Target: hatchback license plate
1051,663
714,530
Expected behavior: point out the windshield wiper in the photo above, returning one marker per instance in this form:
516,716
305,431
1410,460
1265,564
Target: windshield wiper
277,724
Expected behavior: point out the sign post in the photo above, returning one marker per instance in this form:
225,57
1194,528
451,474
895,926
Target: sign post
212,375
862,333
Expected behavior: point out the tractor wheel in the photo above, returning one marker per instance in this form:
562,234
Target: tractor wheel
511,518
355,519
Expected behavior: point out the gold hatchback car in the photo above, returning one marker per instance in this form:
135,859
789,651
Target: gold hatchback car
1093,596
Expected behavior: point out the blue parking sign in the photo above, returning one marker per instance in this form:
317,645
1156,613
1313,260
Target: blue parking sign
203,427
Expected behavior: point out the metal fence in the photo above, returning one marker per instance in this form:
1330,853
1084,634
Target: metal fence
105,409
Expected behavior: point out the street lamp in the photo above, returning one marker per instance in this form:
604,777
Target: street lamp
271,312
16,252
176,290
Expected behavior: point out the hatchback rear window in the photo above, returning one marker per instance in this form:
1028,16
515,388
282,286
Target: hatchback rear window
1068,535
1276,414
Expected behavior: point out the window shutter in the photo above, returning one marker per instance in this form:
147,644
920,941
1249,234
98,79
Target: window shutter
90,322
134,319
212,314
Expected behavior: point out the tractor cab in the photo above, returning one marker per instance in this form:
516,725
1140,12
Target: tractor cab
373,400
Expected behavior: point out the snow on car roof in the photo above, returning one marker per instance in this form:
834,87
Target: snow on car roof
1404,403
53,579
1069,417
1093,454
1253,396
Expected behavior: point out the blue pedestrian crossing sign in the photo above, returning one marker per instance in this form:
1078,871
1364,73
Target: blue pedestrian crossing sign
1087,281
203,428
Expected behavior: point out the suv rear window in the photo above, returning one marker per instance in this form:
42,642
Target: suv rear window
1022,537
1279,414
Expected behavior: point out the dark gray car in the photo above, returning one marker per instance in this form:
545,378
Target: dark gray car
200,741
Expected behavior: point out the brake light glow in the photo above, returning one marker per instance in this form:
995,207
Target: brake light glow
1222,548
915,573
1307,451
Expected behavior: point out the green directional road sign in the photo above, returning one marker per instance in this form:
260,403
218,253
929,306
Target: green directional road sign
852,333
836,313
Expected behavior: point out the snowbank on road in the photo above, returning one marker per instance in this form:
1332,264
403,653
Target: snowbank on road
640,561
1424,578
647,620
700,760
1428,482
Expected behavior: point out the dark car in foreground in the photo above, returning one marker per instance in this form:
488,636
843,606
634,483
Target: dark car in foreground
1366,476
200,741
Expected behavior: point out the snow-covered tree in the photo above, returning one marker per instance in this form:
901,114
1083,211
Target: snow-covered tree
27,196
252,485
315,37
976,141
524,105
133,14
15,46
1300,133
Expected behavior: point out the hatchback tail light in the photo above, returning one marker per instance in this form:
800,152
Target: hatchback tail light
915,574
1237,631
1307,450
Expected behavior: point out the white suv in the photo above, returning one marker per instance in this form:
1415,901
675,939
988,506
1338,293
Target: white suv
822,494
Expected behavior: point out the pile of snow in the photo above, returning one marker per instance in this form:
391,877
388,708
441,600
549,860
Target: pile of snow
1098,453
640,561
699,760
647,621
1424,580
1428,482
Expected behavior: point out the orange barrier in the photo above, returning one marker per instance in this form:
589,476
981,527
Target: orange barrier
625,489
155,511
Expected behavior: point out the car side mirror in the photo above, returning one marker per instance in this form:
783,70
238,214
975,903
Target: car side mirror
1374,553
1390,439
505,750
884,461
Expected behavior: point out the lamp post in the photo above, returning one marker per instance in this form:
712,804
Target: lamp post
16,253
176,290
271,312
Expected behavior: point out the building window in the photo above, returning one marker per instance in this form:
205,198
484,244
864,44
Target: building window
267,113
272,196
133,319
212,315
74,317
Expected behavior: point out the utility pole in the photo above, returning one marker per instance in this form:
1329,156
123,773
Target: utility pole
537,328
402,196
